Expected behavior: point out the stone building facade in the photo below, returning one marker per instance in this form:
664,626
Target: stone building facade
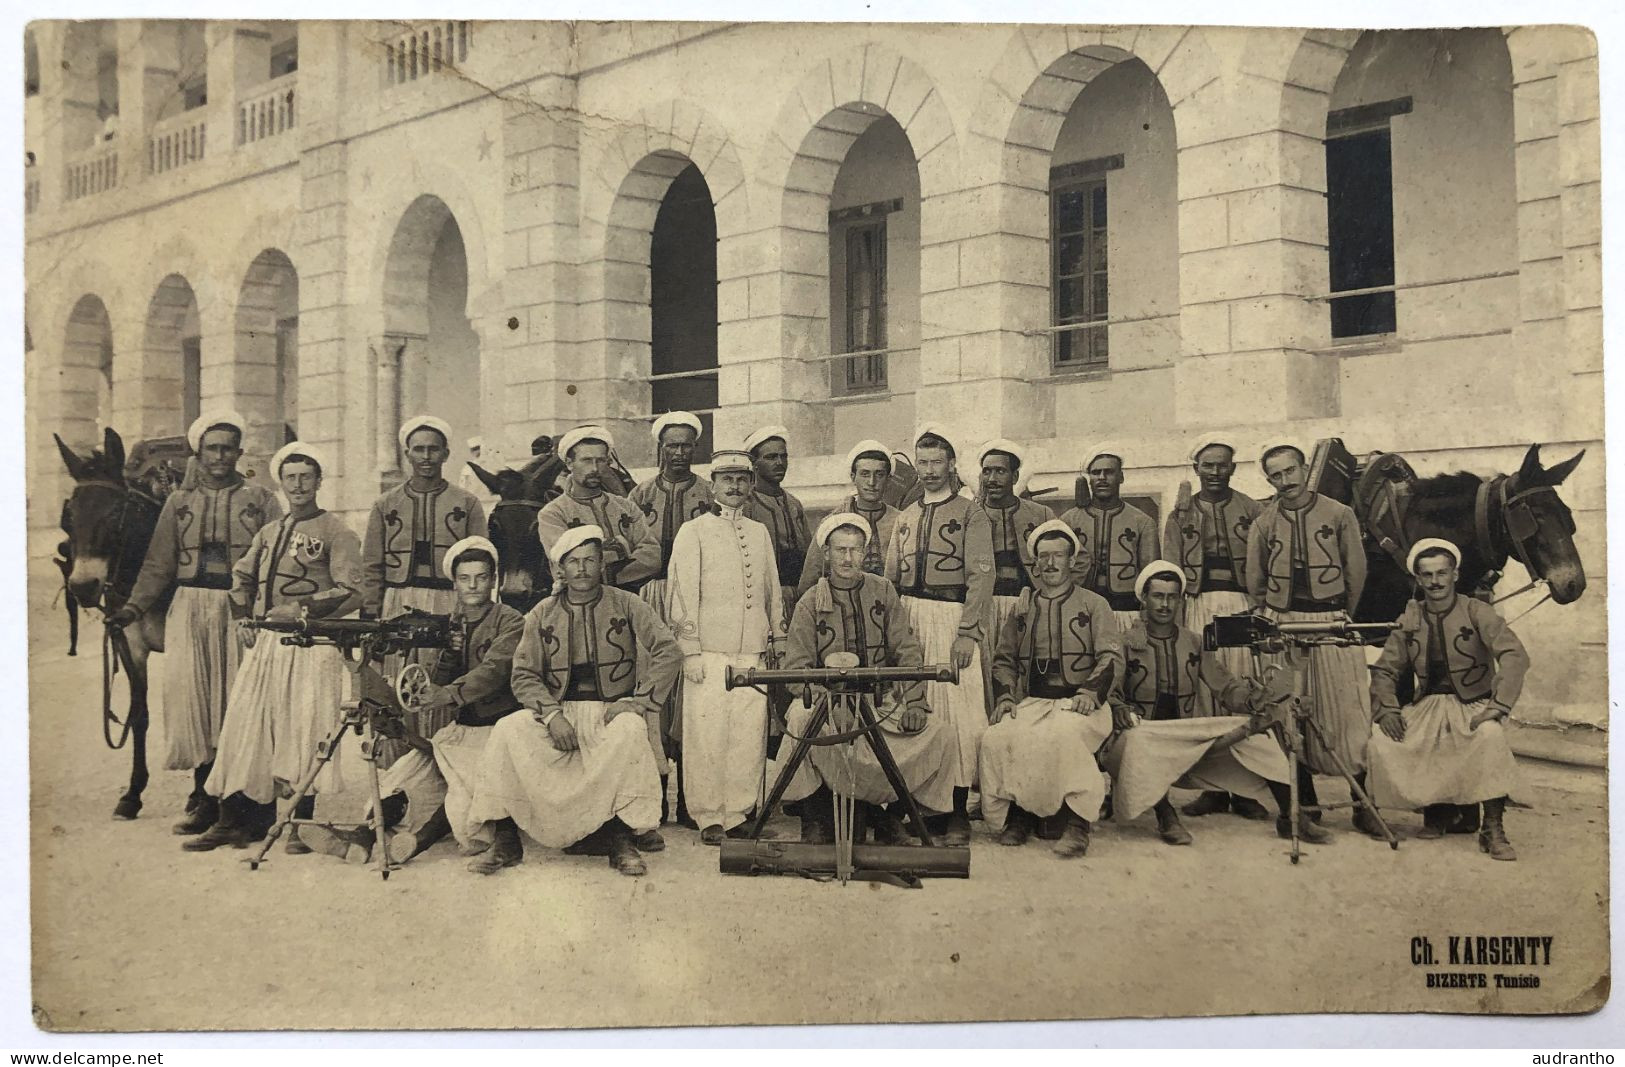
1056,234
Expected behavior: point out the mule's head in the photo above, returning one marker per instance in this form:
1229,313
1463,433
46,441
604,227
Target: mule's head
91,516
512,529
1541,523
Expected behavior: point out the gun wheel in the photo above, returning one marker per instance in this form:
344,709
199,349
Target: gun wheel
411,685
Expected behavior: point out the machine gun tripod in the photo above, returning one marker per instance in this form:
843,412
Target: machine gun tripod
845,692
367,708
1293,721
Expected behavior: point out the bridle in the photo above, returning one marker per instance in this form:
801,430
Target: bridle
1498,506
115,645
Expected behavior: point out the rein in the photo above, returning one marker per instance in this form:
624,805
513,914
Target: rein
116,652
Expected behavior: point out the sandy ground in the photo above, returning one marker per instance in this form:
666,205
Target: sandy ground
131,933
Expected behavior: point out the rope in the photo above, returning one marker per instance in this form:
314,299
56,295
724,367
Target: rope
115,651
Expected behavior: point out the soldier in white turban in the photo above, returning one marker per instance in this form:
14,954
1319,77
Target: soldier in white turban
669,499
1010,521
941,562
869,465
593,663
1206,534
1448,746
1058,662
723,599
1116,539
779,511
1164,741
631,551
853,611
203,530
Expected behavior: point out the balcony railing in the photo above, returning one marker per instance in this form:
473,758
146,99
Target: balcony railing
94,172
269,112
428,49
176,141
30,194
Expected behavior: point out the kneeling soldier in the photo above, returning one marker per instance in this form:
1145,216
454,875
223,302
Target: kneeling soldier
1448,747
1059,657
593,661
860,613
1165,740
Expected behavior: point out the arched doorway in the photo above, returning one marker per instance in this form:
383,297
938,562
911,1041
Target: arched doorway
267,352
171,382
683,304
432,361
86,374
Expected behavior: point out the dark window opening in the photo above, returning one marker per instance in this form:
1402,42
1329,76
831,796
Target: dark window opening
865,306
1078,273
284,57
1360,230
191,379
194,92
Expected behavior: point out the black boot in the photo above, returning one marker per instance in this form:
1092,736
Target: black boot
1019,825
887,828
818,818
303,808
231,827
1074,840
407,843
683,817
956,827
1248,808
1308,831
1493,838
201,809
1435,821
1211,802
623,854
506,850
665,800
1168,826
1365,817
1464,819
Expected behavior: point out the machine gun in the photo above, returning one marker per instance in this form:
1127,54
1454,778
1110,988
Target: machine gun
1264,634
1291,642
377,637
843,692
370,708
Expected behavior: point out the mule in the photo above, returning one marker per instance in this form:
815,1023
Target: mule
523,576
1505,516
109,519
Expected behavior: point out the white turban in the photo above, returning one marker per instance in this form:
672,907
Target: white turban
731,459
677,418
1049,527
468,544
574,538
583,433
765,434
1427,544
424,422
1205,445
868,445
999,444
840,519
202,424
1157,568
298,448
937,429
1104,448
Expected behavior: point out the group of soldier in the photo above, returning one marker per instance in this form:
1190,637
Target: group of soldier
1077,647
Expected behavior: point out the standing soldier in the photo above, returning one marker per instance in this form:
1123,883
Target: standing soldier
1306,562
673,496
781,513
725,607
631,554
1010,520
1116,539
941,562
869,465
202,532
1208,536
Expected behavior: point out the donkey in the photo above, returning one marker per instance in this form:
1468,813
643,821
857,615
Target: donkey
523,576
1518,516
109,520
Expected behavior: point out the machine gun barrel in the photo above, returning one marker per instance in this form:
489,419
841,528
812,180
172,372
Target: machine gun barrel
410,630
738,677
1254,630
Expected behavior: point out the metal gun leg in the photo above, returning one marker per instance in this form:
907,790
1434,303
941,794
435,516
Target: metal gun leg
788,771
325,750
